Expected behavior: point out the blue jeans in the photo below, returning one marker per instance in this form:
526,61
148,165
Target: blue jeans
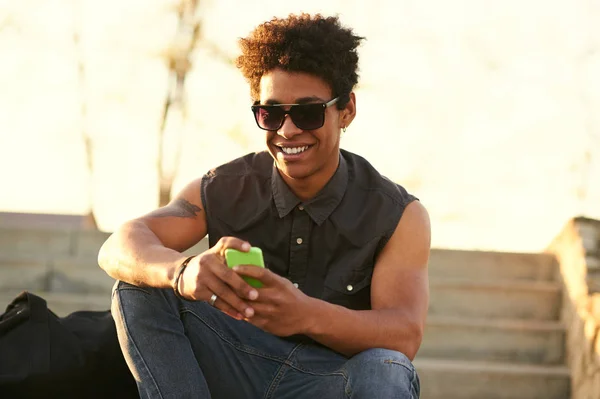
180,349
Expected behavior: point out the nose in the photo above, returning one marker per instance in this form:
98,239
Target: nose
288,129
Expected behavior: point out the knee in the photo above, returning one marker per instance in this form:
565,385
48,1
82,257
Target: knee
139,301
382,373
377,358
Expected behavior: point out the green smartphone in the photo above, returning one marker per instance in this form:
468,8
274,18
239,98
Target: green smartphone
252,257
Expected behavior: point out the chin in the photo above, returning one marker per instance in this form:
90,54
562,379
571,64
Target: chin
295,172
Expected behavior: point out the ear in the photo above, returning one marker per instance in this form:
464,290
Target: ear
348,113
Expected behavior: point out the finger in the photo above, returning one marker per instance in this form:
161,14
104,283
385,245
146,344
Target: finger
237,283
262,274
257,321
225,294
265,310
232,243
227,309
216,266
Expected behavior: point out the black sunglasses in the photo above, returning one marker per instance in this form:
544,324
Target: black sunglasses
305,116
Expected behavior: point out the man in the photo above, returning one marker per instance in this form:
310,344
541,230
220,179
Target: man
345,293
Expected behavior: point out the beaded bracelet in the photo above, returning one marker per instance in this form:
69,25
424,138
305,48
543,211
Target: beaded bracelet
178,275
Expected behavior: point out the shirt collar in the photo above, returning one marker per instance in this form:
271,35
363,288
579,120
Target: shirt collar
322,205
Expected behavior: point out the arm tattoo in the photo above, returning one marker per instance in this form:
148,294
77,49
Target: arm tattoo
180,209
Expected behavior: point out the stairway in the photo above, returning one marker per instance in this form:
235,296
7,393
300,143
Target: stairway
59,265
493,330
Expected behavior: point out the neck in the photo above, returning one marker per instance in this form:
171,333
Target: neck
308,187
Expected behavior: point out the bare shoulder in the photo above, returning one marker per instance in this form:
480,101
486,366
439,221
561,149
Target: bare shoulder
400,276
182,223
186,204
413,230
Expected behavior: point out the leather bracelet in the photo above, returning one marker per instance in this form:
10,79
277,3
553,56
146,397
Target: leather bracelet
178,274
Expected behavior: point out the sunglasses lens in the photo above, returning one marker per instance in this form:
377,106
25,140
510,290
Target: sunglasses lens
304,116
308,116
268,117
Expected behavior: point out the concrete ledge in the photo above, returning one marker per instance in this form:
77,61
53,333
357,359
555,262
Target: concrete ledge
94,281
501,299
87,243
573,247
455,379
23,274
492,266
516,341
30,241
55,274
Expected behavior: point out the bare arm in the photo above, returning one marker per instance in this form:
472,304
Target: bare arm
146,251
399,298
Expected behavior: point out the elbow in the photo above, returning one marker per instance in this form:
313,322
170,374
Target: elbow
108,255
418,331
104,257
413,336
114,252
415,343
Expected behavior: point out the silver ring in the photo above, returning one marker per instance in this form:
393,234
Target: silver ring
213,299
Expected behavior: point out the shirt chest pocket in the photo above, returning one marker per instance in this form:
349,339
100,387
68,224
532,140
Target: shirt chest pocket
351,289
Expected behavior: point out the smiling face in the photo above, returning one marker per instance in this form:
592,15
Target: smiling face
304,157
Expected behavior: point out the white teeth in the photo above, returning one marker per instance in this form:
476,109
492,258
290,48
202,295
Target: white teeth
294,150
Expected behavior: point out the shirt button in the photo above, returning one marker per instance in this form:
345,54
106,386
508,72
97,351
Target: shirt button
301,207
299,241
349,287
296,285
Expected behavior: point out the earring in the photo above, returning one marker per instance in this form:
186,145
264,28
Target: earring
344,129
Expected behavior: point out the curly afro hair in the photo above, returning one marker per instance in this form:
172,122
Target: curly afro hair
315,44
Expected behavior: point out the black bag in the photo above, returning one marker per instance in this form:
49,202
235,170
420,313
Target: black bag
45,356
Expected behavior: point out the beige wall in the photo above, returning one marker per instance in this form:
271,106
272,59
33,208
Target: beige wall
483,109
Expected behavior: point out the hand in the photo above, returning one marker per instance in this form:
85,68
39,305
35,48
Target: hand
208,274
280,309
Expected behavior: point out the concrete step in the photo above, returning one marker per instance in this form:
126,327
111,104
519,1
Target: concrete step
62,303
449,296
38,241
440,378
508,299
491,266
59,274
79,275
71,268
21,273
455,379
474,265
50,242
57,242
518,341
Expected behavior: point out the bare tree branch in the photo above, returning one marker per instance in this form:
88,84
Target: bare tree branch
83,107
185,41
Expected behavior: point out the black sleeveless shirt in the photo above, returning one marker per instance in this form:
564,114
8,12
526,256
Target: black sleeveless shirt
326,246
